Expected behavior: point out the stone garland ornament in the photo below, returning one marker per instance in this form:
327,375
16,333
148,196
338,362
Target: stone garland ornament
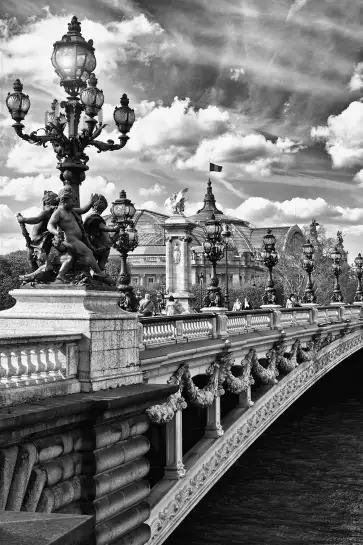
233,384
228,449
266,375
285,361
161,414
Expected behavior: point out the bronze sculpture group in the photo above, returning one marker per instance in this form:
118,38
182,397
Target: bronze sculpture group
63,249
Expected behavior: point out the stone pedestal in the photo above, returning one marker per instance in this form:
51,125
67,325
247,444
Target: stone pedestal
178,259
108,349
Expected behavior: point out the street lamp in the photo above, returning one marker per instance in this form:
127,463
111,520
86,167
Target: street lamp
270,259
336,257
226,234
214,250
358,298
125,241
74,61
201,282
308,266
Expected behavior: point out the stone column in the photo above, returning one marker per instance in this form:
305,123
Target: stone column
174,468
178,259
244,399
214,428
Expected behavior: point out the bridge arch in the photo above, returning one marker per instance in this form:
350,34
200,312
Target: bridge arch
207,462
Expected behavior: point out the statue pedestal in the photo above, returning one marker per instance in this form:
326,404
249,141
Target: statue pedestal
178,259
108,348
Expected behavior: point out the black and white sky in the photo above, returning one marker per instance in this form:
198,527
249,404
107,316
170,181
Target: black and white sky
270,90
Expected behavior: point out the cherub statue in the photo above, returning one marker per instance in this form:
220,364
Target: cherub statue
70,236
97,231
176,203
40,243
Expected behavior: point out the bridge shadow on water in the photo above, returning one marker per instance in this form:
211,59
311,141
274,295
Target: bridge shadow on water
301,482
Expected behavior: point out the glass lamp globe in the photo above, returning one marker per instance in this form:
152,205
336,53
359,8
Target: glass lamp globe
18,103
91,97
123,209
73,58
124,116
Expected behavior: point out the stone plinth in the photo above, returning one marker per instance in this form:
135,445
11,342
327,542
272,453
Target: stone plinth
44,529
108,350
178,259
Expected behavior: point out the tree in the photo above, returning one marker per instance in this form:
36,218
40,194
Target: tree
11,266
290,274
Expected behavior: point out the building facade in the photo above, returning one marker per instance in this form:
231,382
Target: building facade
147,262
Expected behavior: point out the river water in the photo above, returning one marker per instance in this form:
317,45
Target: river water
301,482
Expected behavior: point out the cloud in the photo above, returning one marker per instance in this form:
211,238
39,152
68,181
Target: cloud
152,205
356,81
251,153
25,188
236,73
26,52
11,244
343,136
261,212
295,7
156,189
8,223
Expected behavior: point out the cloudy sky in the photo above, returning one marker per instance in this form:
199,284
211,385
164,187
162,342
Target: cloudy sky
269,89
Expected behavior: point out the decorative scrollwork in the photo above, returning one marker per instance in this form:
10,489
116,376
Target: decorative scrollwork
237,385
202,397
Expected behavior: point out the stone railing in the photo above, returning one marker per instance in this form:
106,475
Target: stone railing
248,320
173,329
29,363
160,330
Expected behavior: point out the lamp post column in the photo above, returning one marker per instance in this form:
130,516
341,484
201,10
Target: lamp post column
358,298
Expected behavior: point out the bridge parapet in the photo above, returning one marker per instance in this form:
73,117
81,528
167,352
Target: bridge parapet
28,364
161,330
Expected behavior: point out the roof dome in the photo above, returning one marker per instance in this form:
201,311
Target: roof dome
210,208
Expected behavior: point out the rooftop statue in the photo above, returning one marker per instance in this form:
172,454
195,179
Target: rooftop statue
70,237
313,229
176,203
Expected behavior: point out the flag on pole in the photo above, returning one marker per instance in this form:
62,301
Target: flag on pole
214,168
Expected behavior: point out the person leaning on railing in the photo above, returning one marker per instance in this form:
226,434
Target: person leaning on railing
146,306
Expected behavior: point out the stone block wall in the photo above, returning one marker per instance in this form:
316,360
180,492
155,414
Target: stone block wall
94,465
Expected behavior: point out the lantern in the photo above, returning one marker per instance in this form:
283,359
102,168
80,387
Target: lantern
73,58
359,261
122,209
213,228
124,116
18,103
91,97
308,249
269,240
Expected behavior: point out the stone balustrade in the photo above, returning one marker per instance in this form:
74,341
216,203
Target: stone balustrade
27,364
173,329
160,330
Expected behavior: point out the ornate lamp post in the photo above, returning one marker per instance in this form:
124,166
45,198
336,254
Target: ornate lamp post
336,257
125,241
201,283
214,250
74,61
226,234
308,266
358,298
270,259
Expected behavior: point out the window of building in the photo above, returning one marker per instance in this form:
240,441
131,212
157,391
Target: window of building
150,280
134,280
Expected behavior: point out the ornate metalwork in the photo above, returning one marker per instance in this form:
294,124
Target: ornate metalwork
74,61
358,297
125,241
214,250
270,259
308,266
336,257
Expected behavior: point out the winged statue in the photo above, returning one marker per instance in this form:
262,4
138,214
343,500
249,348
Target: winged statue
176,203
